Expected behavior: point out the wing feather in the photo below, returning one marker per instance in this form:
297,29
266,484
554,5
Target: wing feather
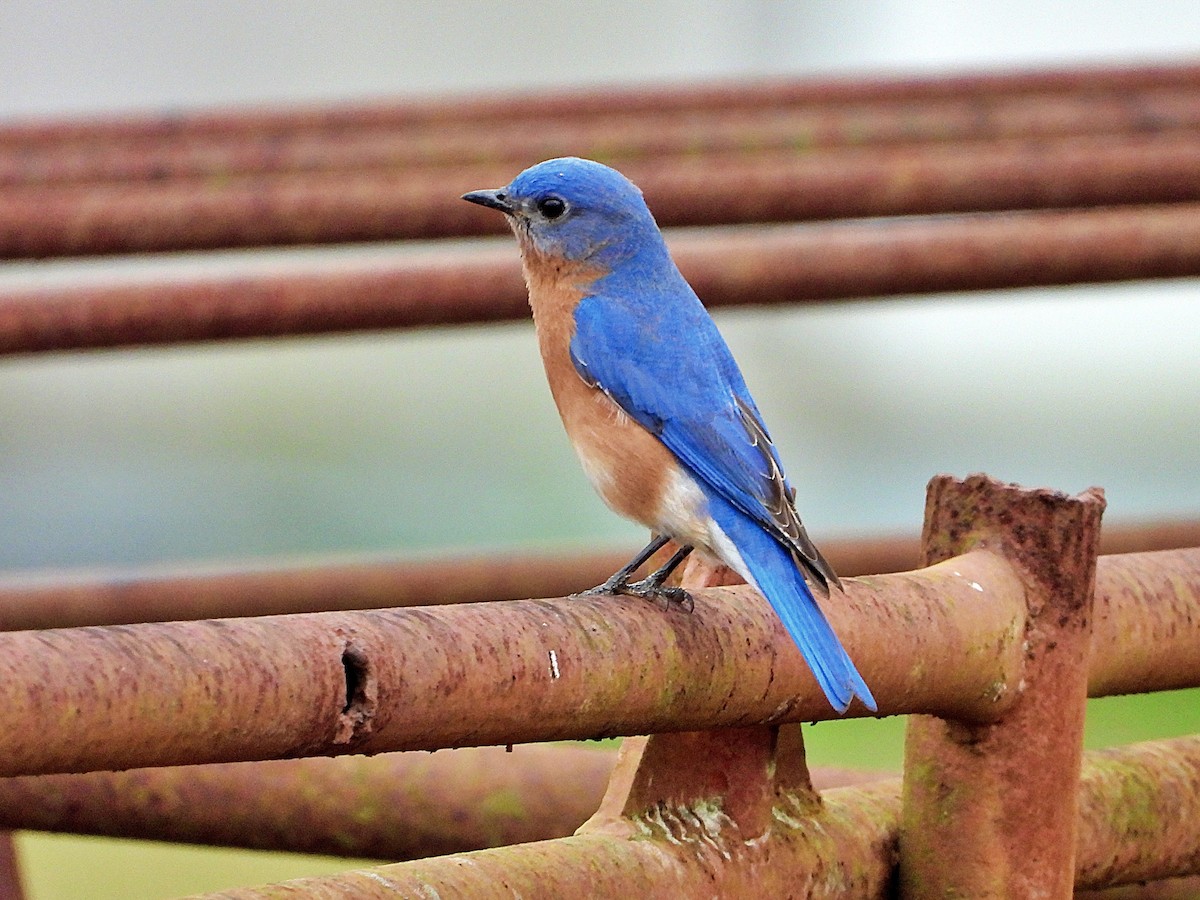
692,397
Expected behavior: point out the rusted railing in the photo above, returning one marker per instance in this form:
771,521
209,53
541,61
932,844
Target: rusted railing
323,207
58,599
412,679
771,153
840,845
733,118
781,264
392,806
991,647
501,109
733,809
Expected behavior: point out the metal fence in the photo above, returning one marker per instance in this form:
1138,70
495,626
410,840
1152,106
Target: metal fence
121,722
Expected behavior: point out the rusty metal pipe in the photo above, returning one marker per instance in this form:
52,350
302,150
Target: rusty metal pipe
498,109
489,673
10,869
728,267
844,850
1144,602
1138,819
990,809
325,207
1140,813
524,671
1186,888
617,137
392,806
69,599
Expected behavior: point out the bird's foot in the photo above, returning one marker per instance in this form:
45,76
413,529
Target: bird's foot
654,591
648,589
651,587
614,587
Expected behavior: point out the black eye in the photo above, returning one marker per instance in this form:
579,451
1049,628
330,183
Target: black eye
551,207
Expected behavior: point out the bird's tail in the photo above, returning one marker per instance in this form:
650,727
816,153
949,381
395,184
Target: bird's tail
776,575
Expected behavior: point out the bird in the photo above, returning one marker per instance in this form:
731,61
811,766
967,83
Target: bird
655,406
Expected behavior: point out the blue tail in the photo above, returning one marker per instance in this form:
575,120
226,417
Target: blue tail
780,580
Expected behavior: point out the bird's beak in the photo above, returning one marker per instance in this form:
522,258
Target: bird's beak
493,199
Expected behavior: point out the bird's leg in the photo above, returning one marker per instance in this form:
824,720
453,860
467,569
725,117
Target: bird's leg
651,587
620,580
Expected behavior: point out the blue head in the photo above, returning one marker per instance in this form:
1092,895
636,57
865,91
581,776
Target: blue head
575,209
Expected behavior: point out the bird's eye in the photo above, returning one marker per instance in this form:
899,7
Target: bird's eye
551,207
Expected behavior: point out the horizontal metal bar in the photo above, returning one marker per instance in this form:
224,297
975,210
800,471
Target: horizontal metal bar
728,267
66,599
577,103
1185,888
945,640
330,207
1139,819
479,674
1139,813
392,806
1144,604
616,136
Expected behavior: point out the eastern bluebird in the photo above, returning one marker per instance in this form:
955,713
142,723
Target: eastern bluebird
654,404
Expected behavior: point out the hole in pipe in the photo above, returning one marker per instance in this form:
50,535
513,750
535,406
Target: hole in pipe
359,708
354,663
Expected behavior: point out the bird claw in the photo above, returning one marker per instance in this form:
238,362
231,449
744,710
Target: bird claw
610,588
647,589
670,596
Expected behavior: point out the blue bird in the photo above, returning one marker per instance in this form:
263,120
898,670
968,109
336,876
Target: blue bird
655,405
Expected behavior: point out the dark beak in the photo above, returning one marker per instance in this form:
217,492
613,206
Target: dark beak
493,199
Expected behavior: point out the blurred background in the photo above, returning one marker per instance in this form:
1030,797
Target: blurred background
439,441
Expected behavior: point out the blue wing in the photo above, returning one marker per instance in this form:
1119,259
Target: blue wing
774,569
678,380
684,386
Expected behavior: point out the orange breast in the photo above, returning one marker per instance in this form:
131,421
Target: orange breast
629,467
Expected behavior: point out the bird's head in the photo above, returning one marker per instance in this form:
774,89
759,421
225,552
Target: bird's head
574,209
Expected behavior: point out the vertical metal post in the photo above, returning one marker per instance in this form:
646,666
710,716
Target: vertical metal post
990,809
10,871
698,784
739,769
